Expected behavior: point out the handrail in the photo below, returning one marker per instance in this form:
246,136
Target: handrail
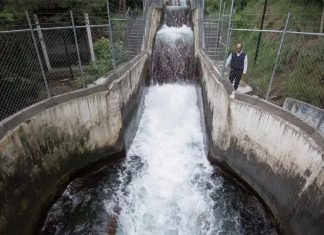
127,12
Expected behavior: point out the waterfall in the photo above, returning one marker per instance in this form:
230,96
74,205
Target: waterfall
166,185
174,46
176,16
173,54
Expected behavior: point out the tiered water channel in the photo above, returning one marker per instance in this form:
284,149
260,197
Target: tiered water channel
166,184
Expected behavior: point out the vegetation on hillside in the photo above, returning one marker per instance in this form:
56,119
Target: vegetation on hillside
13,10
300,72
21,81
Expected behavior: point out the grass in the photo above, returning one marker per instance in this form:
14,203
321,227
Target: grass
300,72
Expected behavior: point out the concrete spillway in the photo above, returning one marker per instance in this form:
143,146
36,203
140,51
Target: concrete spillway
46,146
165,185
173,54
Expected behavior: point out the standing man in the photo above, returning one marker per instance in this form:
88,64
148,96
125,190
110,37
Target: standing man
238,62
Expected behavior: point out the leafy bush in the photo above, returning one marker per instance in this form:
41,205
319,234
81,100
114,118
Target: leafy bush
103,63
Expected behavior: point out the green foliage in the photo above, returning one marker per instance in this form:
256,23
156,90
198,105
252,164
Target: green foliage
300,71
211,6
13,9
103,63
102,49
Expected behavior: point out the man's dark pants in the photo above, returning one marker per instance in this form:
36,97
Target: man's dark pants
235,76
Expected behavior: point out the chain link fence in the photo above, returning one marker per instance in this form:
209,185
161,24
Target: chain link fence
284,56
55,53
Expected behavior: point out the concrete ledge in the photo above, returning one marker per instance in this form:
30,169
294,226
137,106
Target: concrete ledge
43,145
276,153
24,115
310,114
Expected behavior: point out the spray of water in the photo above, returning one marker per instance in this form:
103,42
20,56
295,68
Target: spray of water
169,192
173,54
179,2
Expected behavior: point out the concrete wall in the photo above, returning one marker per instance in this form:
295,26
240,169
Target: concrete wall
312,115
39,154
269,148
42,146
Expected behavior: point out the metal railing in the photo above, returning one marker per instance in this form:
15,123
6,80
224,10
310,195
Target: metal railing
283,61
52,54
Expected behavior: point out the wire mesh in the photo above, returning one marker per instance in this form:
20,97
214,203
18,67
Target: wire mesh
215,28
21,82
262,52
300,69
64,74
300,73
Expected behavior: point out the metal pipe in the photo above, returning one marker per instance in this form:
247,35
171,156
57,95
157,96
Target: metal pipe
111,41
38,56
277,59
15,31
89,35
54,28
42,42
92,26
127,12
258,30
77,47
228,37
222,20
305,33
217,31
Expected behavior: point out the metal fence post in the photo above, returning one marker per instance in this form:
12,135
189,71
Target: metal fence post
228,37
111,36
218,25
42,43
221,28
77,47
90,41
277,58
202,33
38,55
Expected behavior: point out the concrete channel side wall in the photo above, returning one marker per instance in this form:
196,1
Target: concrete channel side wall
278,155
310,114
42,146
39,155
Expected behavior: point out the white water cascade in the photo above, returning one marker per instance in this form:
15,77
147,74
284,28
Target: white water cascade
173,54
166,185
179,2
169,193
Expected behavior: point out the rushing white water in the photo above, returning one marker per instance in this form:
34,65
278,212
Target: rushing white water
168,193
171,34
165,186
179,2
173,54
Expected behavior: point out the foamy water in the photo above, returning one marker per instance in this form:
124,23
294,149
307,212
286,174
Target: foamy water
173,56
168,193
165,186
171,34
179,2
